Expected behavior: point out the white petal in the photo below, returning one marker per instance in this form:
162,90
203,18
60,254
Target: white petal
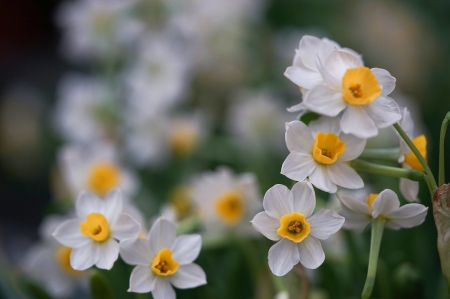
324,100
142,280
283,256
343,175
88,203
354,146
276,201
386,80
339,61
409,189
136,251
311,252
325,124
84,257
354,204
298,137
188,276
163,289
109,253
356,121
354,221
125,227
69,234
385,203
112,205
304,199
409,215
321,179
267,226
325,223
186,248
297,108
162,234
309,48
303,77
384,111
298,166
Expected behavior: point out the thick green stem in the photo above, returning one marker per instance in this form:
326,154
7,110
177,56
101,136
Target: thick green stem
445,122
431,181
377,234
384,154
368,167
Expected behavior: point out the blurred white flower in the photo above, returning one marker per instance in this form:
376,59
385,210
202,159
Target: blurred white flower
92,235
96,168
256,119
93,29
86,110
358,214
179,205
361,93
288,218
320,152
48,262
226,201
163,260
410,189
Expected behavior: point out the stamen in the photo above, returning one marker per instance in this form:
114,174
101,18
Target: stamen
295,227
326,153
356,90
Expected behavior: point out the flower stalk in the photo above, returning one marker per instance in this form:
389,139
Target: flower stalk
383,154
368,167
445,122
377,234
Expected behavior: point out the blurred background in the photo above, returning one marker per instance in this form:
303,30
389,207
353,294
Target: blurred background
177,88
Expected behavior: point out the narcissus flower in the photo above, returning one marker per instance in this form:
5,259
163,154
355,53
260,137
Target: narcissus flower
226,201
410,189
320,152
358,214
92,235
357,91
163,260
288,218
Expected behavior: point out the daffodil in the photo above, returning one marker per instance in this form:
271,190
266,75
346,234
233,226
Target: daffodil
359,93
358,214
288,218
48,262
163,260
321,152
92,235
226,201
304,70
95,168
410,189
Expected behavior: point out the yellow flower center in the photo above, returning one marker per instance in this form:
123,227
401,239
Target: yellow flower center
96,227
163,264
103,177
62,256
180,198
421,143
327,148
360,86
294,227
370,199
230,207
182,140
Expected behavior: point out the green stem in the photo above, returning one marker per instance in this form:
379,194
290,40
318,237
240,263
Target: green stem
188,225
441,149
279,284
377,234
431,181
385,154
368,167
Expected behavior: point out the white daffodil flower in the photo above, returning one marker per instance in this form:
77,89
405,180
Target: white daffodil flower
92,235
320,152
410,189
48,262
163,260
95,168
288,218
358,214
357,91
226,201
